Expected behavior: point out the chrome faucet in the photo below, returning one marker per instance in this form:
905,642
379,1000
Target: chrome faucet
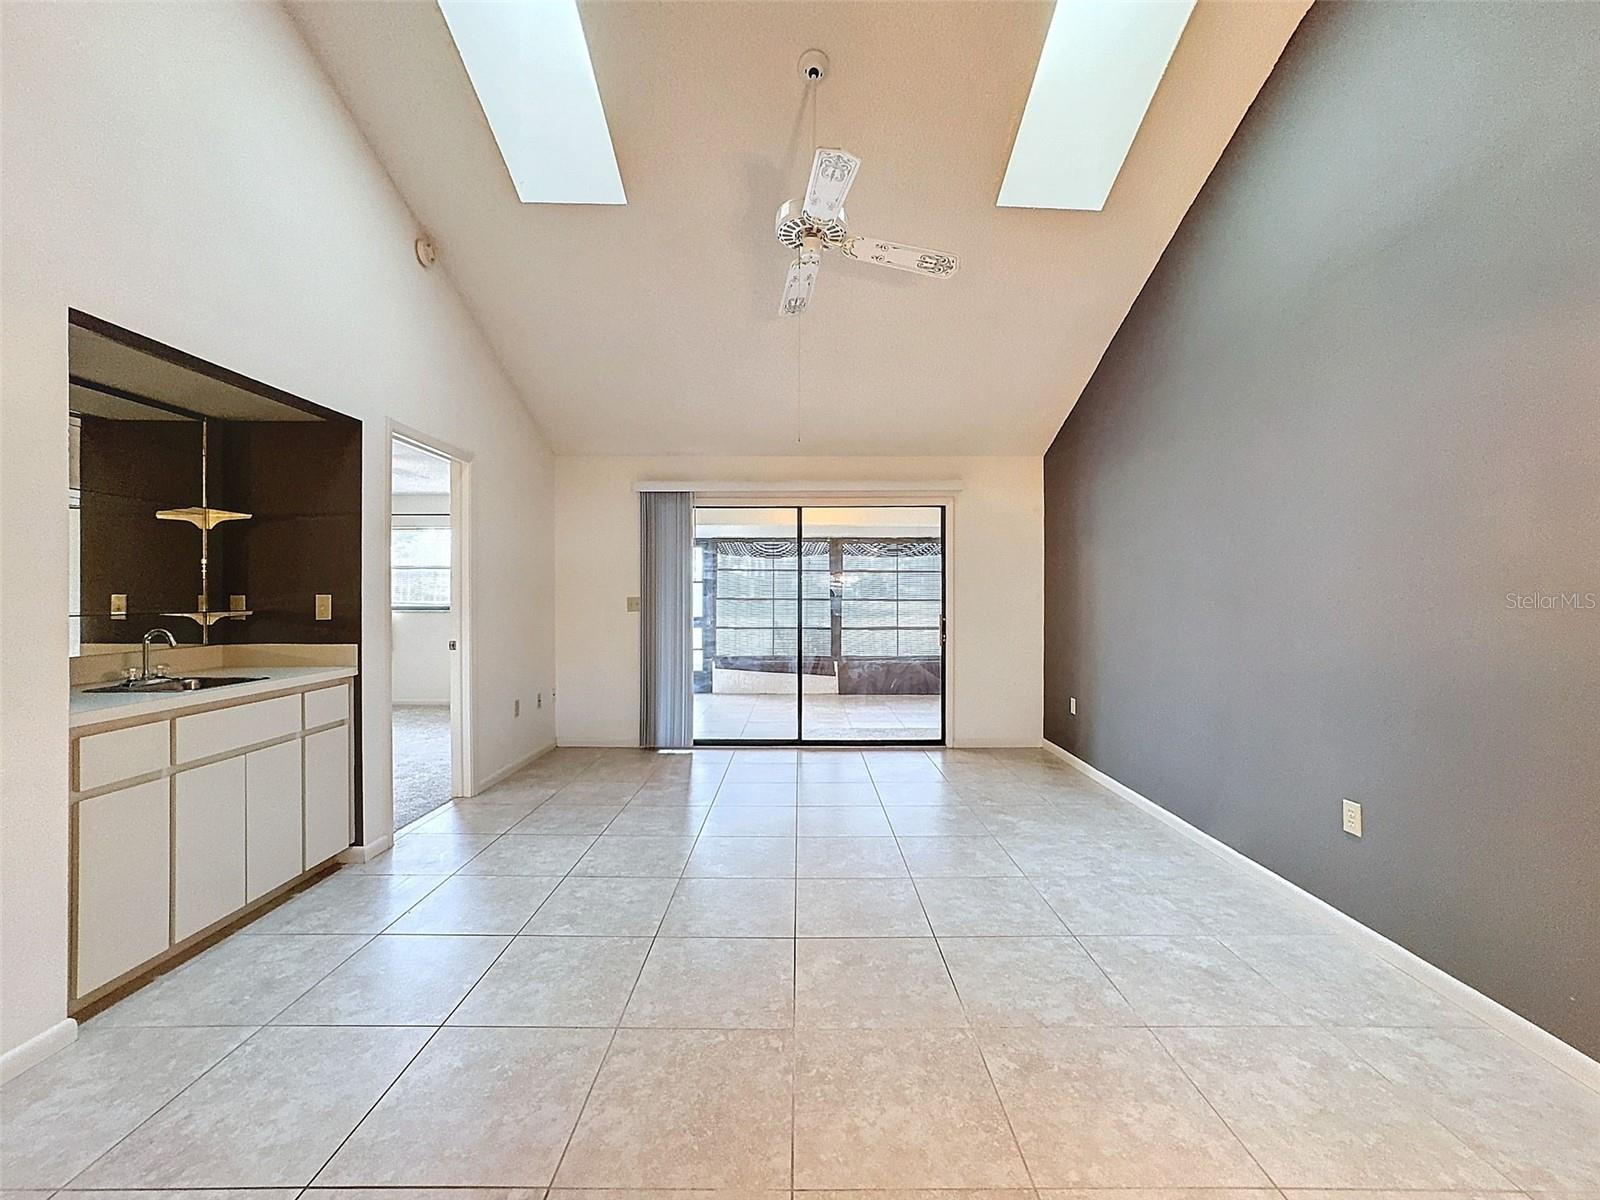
144,651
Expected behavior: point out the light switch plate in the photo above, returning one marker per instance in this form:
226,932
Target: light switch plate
237,604
324,607
633,604
119,606
1352,818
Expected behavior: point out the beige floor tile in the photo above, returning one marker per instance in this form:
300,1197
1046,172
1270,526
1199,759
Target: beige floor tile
919,793
348,901
930,820
742,774
1104,903
1109,1108
1536,1125
531,854
1315,1115
61,1115
427,854
731,908
473,817
962,857
850,768
480,904
557,981
567,820
1204,1194
268,1115
814,794
897,1109
413,1193
749,820
874,983
605,907
641,855
687,1108
165,1194
478,1107
986,908
1341,984
715,983
742,858
1382,1194
859,821
397,980
849,858
239,981
1018,982
670,820
1192,981
859,908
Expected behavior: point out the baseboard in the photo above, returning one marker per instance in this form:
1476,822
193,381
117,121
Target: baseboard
367,851
508,771
1491,1012
37,1048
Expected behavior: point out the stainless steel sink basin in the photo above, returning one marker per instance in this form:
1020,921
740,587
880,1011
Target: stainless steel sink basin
191,683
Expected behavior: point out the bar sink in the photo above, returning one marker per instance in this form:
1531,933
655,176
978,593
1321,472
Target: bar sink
188,683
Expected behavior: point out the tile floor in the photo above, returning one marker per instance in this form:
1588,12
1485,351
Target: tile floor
970,975
759,717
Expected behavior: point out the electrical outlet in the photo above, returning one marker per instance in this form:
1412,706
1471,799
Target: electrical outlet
1072,705
119,606
324,607
516,708
633,604
1352,818
540,703
238,603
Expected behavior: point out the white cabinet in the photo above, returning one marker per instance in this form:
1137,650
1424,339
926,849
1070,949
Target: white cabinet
327,793
272,841
183,822
207,845
123,881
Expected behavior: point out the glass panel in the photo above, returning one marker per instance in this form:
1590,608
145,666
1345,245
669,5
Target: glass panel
881,676
747,617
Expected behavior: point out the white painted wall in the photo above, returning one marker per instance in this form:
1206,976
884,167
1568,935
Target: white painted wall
421,658
186,171
996,581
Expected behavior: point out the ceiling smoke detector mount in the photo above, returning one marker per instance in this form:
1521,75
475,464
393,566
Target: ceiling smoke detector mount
813,66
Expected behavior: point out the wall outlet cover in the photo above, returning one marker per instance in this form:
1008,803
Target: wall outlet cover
119,606
633,604
1352,818
324,607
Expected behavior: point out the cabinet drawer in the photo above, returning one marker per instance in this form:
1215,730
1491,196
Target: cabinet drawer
123,882
206,734
106,758
327,705
207,845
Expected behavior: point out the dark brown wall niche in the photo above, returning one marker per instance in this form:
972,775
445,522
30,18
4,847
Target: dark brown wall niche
301,483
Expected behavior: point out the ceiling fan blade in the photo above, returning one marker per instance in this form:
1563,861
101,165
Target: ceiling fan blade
901,258
797,287
832,173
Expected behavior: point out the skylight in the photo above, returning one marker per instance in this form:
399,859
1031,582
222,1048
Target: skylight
529,63
1099,68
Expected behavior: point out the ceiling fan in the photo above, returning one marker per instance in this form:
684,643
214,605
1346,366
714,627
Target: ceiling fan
818,224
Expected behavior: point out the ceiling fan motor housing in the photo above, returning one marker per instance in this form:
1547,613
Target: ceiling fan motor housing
794,227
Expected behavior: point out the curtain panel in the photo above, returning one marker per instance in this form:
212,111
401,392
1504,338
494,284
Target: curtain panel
666,655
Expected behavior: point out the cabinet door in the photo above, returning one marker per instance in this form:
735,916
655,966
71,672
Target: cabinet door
272,817
123,888
327,794
207,845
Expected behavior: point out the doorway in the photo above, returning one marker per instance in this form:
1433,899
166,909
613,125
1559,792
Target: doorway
819,625
425,610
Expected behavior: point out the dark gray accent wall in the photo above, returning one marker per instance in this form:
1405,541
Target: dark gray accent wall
1303,528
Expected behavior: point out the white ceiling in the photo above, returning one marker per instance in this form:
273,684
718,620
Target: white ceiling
652,328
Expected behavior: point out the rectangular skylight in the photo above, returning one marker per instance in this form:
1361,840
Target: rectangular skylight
1098,71
529,63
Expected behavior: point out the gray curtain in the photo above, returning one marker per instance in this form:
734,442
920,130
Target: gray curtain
666,655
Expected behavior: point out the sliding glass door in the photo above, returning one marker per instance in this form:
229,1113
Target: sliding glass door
819,625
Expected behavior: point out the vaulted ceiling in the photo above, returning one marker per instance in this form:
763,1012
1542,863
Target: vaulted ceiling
653,328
